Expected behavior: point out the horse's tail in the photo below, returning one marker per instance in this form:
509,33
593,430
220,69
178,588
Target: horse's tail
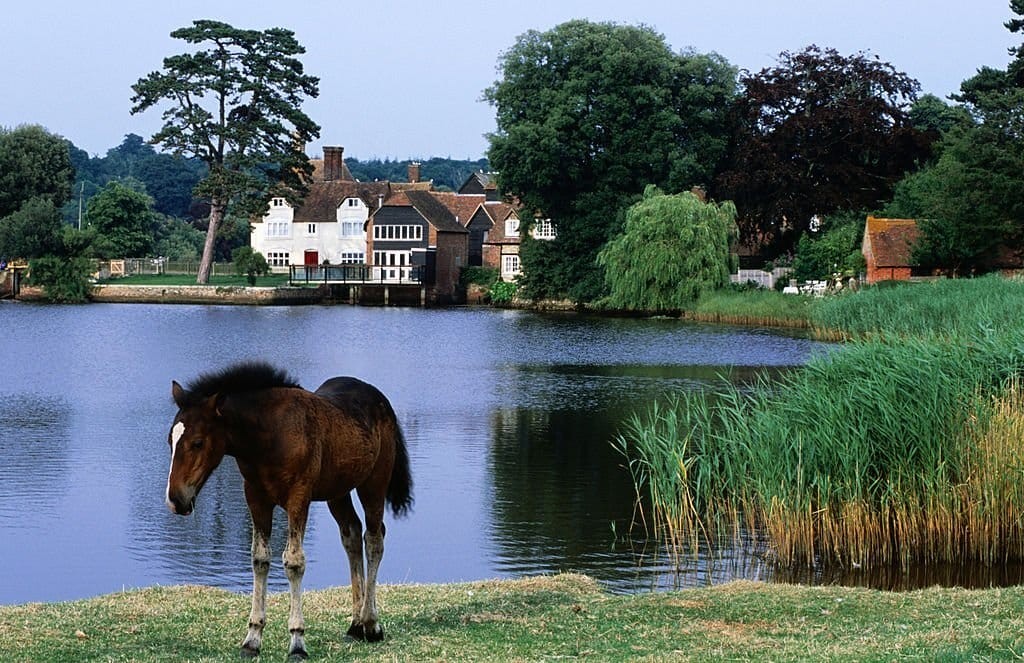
400,485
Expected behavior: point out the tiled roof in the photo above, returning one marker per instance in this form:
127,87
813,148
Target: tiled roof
462,205
433,210
889,242
324,198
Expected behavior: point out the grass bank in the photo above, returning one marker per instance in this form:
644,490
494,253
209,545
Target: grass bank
557,618
758,307
906,446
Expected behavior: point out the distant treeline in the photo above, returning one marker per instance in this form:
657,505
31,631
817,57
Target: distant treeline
447,174
169,180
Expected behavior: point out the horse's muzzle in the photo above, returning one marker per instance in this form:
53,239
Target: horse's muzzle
182,504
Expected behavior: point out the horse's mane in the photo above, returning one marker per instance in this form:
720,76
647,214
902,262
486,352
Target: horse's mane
239,378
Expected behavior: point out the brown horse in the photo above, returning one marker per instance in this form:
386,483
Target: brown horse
293,447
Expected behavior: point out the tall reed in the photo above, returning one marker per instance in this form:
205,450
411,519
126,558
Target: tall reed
900,448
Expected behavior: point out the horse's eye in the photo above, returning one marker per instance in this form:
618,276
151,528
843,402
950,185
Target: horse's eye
197,443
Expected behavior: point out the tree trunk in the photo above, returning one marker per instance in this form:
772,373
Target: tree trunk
206,263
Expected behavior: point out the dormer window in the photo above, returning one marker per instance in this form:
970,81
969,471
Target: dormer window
278,202
353,202
511,227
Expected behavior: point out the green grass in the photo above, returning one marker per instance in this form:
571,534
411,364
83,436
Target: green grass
904,447
271,280
947,306
538,619
753,307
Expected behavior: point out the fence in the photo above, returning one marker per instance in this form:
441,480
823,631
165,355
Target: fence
132,266
762,278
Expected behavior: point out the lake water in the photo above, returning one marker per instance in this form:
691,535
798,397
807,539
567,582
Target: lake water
508,416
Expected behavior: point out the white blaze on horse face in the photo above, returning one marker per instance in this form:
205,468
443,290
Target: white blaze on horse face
176,433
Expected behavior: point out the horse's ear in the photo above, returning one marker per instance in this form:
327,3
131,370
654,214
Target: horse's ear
217,403
177,393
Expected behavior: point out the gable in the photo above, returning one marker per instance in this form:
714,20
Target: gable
890,242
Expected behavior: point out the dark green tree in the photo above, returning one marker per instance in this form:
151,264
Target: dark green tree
34,230
970,203
673,249
33,164
235,104
587,115
177,239
816,133
122,219
249,263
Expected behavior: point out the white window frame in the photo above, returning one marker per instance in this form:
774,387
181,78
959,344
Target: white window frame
398,233
353,258
511,227
510,265
278,228
278,258
543,229
393,265
311,229
352,228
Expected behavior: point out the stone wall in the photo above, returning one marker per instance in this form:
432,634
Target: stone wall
205,294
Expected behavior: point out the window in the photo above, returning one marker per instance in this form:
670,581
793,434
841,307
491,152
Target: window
543,229
352,202
277,258
278,228
351,228
311,230
509,265
511,227
407,233
353,258
278,202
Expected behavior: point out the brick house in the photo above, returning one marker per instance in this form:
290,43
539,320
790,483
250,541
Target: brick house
888,249
415,229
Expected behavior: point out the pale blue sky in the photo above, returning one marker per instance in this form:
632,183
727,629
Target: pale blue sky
403,79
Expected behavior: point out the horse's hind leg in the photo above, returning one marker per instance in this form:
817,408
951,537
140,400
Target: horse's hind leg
262,517
352,540
373,508
295,567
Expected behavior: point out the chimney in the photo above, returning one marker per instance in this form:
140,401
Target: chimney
334,163
414,171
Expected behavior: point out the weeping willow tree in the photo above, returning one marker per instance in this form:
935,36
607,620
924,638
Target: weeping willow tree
673,249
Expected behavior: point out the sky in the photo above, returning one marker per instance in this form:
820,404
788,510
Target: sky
404,79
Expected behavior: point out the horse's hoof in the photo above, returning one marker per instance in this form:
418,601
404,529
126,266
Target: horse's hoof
296,656
355,632
376,634
248,653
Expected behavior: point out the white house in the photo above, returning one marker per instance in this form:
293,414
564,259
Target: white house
330,224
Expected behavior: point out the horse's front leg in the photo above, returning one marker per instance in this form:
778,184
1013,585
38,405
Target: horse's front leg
295,567
262,518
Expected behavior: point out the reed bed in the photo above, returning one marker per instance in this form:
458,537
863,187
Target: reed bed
950,306
753,307
905,447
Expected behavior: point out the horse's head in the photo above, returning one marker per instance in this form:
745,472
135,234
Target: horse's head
197,440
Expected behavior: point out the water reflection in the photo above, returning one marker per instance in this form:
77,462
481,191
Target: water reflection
507,416
35,433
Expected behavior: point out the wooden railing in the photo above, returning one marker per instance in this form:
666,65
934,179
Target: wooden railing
312,274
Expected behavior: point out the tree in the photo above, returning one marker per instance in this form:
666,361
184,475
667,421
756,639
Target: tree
34,230
122,219
835,247
587,115
673,249
235,105
249,263
33,164
970,203
817,133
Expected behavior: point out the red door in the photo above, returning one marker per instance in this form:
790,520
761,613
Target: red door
311,258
